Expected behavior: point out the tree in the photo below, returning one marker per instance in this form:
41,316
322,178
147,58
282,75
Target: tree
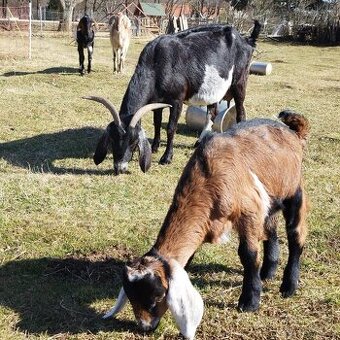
68,7
240,5
4,5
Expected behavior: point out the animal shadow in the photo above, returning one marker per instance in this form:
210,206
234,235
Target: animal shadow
212,269
39,153
51,70
207,274
54,296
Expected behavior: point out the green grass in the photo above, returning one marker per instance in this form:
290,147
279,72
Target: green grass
67,226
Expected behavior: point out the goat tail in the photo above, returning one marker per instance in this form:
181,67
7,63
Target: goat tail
255,33
296,122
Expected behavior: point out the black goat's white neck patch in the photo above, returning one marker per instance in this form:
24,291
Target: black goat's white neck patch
213,88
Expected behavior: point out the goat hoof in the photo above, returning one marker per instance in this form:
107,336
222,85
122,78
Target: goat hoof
267,273
288,289
250,304
164,161
242,307
267,276
154,148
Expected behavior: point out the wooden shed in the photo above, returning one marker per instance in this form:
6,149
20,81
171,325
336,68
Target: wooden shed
150,16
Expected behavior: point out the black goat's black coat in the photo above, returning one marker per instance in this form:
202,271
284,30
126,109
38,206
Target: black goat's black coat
199,66
85,39
173,66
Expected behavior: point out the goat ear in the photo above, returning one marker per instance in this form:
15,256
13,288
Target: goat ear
102,146
144,151
184,301
121,301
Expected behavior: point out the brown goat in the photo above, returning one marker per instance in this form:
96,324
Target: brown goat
236,180
120,34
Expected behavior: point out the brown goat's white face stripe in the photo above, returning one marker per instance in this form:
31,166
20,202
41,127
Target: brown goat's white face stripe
264,197
184,301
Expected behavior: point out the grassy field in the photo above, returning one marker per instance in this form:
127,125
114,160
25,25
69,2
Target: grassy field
67,226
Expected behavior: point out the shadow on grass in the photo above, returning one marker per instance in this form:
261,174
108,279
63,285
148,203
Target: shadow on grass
38,153
52,70
54,296
212,269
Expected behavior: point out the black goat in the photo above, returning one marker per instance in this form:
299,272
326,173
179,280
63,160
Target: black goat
199,66
85,39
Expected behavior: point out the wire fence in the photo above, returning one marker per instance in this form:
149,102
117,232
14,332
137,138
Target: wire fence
17,19
15,24
321,27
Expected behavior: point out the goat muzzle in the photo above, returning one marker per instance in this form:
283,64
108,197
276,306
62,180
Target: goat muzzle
120,168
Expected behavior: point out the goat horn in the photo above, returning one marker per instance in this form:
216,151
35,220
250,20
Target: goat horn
144,109
121,301
108,105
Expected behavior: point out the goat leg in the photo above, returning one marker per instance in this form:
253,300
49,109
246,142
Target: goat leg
157,121
89,57
239,94
249,300
81,59
295,227
175,112
270,250
211,114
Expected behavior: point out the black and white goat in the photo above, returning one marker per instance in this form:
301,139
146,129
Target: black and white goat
120,34
199,66
85,39
238,180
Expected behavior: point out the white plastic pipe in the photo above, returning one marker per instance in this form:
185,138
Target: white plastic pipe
261,68
196,117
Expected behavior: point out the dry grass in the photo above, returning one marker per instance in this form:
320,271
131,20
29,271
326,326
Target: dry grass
67,226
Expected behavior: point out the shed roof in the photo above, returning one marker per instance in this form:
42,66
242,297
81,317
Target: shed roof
152,9
181,9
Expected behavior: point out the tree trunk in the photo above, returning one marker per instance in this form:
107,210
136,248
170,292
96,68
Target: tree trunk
66,22
68,7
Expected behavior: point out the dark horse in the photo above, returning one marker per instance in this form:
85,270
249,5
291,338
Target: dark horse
85,39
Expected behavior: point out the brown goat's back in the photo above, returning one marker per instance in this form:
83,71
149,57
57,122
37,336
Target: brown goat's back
270,150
